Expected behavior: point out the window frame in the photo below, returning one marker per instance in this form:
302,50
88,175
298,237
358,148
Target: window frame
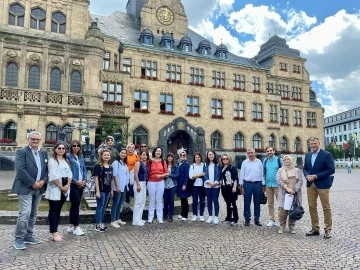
10,75
52,82
257,111
38,21
284,116
191,106
239,140
239,109
218,79
74,85
197,76
166,103
140,135
15,16
273,113
112,89
257,141
58,25
216,140
216,105
34,77
141,100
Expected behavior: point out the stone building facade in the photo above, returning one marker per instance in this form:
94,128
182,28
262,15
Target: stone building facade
166,84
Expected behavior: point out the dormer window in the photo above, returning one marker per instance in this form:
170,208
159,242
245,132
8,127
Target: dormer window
222,55
147,37
167,41
186,48
148,41
222,51
204,47
185,44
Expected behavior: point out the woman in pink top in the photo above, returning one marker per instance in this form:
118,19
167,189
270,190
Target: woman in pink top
158,171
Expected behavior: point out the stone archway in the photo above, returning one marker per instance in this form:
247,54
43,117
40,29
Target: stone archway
180,133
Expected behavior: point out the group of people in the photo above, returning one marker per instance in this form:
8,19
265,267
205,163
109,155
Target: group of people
123,172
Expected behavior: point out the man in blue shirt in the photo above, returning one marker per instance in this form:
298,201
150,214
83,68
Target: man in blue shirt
271,165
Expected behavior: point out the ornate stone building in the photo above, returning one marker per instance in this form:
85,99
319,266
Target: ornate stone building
163,82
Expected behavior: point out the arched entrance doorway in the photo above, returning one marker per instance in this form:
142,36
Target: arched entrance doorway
180,139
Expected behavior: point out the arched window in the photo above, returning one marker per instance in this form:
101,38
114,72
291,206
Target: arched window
11,75
34,77
58,23
55,79
257,141
239,141
51,134
10,131
297,144
16,15
75,83
140,135
216,140
68,132
38,18
284,144
272,141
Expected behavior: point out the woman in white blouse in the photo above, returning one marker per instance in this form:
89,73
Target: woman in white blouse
58,188
196,174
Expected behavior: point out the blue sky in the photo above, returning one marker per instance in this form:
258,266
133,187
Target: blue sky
327,33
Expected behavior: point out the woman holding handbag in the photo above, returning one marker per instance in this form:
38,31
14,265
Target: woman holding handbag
290,181
196,174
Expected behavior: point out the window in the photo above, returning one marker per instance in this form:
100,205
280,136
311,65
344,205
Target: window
222,55
239,109
140,135
283,91
284,116
148,68
116,62
335,129
270,88
68,133
297,118
311,119
355,125
34,77
257,141
112,92
273,113
345,137
216,107
296,93
166,103
296,69
284,144
106,63
196,76
173,73
340,128
297,144
331,130
216,140
10,131
37,20
16,15
257,111
192,105
349,126
327,131
283,66
340,138
272,141
55,79
75,83
218,79
58,23
127,65
51,134
256,84
239,82
11,79
344,127
141,100
239,141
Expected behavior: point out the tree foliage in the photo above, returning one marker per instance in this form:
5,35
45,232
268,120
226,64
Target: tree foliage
109,127
336,151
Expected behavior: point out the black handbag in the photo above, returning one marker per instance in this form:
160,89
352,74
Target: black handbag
263,198
296,211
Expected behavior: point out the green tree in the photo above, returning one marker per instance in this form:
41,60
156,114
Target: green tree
109,127
336,151
349,152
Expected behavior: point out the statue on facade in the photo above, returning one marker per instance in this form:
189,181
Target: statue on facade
89,153
200,141
62,138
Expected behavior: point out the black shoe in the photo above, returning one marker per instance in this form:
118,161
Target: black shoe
170,219
247,223
257,223
312,233
327,234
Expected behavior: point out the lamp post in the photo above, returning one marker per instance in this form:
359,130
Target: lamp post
81,124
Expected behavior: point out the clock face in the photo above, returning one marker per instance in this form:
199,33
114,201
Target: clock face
165,15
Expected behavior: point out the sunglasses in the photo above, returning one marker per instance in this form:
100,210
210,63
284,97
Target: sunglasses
33,139
225,158
60,148
182,155
75,145
143,146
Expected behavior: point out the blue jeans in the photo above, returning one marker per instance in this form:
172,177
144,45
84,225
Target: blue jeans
28,207
212,195
101,206
169,195
117,201
348,169
252,191
198,194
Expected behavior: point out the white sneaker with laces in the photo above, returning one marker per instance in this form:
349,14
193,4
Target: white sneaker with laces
202,219
70,229
78,231
160,221
184,219
180,217
193,218
270,223
114,225
210,220
216,220
120,222
138,224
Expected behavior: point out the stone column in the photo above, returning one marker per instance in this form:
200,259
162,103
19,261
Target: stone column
23,65
2,129
45,73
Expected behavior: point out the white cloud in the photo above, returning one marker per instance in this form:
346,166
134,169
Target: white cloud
226,6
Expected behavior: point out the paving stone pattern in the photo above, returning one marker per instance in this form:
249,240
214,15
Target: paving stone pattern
195,245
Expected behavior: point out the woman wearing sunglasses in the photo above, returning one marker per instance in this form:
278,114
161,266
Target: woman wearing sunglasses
78,182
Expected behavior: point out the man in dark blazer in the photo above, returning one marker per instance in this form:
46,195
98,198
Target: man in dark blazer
318,169
31,175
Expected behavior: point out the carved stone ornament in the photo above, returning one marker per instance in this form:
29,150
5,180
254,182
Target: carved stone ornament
193,93
239,98
11,56
167,91
38,3
77,65
217,95
140,87
59,6
33,60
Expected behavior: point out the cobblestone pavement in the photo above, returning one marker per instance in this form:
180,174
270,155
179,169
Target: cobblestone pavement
195,245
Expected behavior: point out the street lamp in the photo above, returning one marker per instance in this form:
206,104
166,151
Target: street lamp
81,124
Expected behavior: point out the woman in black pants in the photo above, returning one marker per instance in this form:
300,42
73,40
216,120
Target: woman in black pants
183,189
78,182
58,188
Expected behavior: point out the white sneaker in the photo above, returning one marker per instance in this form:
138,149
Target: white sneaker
202,219
216,220
271,223
114,225
184,219
78,231
150,221
277,224
180,217
160,221
210,220
193,218
120,222
70,229
138,224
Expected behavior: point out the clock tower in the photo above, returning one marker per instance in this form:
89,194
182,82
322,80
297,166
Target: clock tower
164,16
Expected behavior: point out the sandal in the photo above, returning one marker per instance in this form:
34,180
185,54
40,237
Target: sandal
58,238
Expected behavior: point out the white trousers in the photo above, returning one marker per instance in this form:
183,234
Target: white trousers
139,202
156,193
